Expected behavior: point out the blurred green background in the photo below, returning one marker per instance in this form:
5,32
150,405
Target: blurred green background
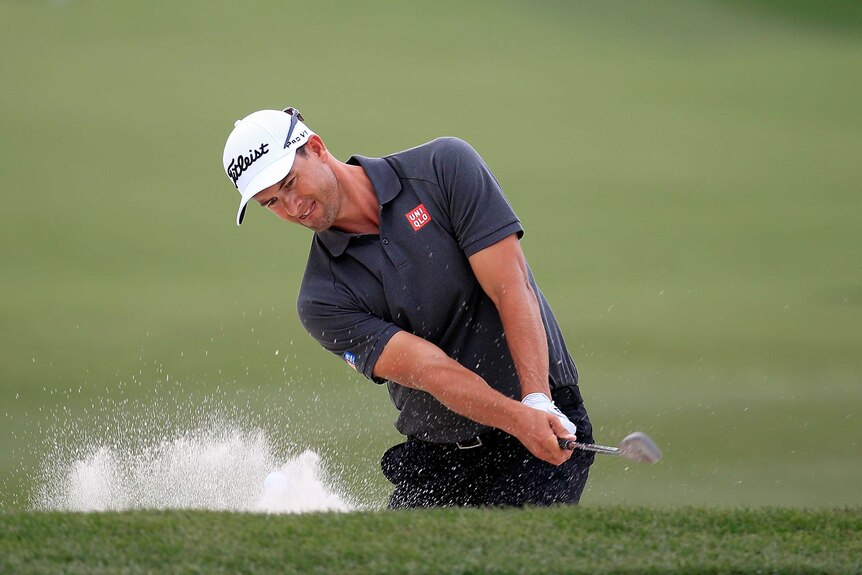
688,174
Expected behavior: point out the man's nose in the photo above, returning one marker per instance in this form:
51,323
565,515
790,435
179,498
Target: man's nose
292,204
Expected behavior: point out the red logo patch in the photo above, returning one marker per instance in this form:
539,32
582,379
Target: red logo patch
418,217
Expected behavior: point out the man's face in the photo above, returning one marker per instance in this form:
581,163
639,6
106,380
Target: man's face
308,195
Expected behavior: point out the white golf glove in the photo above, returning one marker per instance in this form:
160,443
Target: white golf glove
542,402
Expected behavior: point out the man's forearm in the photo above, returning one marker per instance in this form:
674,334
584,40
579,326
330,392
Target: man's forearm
455,386
525,335
504,276
469,395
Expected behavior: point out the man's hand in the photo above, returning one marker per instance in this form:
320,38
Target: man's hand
542,402
538,431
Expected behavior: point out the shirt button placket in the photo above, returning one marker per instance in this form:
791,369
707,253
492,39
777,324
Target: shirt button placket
395,255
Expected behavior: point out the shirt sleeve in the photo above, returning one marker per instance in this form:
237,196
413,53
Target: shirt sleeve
480,214
339,326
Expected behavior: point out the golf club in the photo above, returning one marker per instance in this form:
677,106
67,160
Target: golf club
636,446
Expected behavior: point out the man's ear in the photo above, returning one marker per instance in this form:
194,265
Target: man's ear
317,148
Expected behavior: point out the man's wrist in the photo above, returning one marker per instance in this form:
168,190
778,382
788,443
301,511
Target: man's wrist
536,387
513,411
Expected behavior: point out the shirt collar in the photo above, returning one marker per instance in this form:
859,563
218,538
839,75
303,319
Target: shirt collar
386,184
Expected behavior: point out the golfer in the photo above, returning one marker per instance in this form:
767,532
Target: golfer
416,279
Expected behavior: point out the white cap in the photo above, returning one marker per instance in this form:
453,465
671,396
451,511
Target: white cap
260,151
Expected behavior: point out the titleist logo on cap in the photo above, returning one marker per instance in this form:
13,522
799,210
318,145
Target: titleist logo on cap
242,163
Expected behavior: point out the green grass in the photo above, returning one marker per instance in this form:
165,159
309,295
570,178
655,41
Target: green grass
689,181
559,540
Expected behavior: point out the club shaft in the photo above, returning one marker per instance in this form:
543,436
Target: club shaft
594,447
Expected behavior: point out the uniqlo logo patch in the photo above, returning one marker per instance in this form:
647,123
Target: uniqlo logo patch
418,217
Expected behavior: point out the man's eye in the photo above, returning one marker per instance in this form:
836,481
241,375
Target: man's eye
269,203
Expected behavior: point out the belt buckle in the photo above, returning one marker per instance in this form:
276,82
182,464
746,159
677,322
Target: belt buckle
469,443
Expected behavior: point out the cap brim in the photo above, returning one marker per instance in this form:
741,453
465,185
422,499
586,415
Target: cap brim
267,177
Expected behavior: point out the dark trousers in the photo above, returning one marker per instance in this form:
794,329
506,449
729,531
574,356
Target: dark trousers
499,472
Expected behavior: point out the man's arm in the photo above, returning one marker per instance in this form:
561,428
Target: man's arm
417,363
502,272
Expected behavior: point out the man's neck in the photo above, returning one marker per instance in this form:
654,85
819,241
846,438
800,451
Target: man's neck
360,208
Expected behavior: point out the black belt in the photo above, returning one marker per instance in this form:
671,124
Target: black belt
483,439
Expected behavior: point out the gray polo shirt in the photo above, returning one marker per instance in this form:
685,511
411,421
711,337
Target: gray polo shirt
439,204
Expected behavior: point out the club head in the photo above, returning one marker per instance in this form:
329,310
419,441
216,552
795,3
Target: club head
638,446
